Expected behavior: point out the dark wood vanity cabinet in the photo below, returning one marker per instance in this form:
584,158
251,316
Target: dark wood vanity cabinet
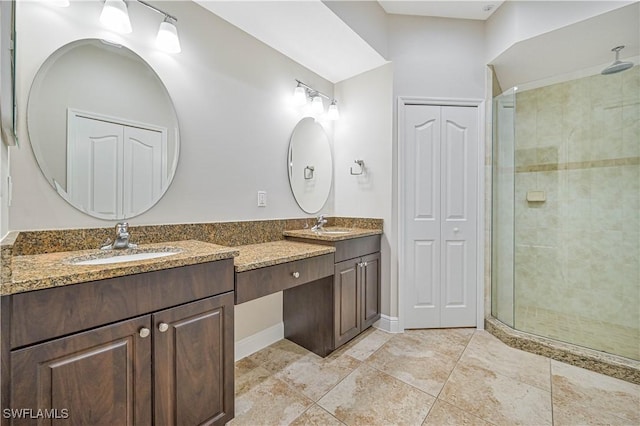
356,297
193,363
323,315
100,376
171,363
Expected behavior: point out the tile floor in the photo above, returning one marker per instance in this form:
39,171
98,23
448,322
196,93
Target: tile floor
425,377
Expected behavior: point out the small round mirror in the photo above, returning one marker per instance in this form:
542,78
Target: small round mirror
103,129
310,165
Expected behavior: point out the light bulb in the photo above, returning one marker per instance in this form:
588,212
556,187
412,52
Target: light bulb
333,113
299,96
115,16
316,105
167,38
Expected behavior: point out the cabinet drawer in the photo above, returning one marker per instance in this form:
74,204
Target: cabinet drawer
40,315
272,279
357,247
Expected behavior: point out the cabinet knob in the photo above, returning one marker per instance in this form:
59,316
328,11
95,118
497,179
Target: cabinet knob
296,274
365,264
144,332
163,326
456,230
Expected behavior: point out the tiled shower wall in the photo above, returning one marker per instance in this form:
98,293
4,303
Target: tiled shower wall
577,254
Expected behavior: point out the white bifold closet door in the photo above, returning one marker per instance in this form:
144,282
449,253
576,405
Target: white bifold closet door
114,170
440,184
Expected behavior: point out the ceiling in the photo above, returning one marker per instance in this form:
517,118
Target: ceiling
478,9
308,32
571,49
305,31
318,30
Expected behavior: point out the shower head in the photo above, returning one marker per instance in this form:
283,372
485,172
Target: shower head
617,65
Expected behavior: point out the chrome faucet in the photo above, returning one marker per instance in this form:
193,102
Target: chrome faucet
122,238
320,222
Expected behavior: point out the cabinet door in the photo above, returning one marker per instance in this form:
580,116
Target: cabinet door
370,282
193,362
346,294
102,376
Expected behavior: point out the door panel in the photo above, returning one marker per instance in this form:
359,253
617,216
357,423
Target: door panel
459,224
422,221
440,183
346,301
144,168
198,343
370,290
456,168
101,376
426,183
94,166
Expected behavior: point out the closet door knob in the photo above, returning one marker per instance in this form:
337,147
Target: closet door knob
144,332
296,274
163,326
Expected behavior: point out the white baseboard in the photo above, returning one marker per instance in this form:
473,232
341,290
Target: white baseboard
260,340
388,324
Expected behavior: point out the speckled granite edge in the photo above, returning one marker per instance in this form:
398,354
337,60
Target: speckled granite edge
312,235
255,256
41,271
611,365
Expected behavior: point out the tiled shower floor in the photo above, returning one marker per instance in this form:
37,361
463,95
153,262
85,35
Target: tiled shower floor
425,377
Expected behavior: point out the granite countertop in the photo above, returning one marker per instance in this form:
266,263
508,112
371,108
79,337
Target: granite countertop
40,271
327,236
256,256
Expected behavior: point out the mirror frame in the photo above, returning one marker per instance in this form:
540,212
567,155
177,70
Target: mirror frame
309,171
45,167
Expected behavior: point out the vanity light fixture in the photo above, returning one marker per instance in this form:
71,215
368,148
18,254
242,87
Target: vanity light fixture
115,16
167,38
303,92
299,95
333,113
317,107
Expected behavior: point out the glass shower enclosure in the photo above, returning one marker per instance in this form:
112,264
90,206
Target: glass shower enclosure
566,211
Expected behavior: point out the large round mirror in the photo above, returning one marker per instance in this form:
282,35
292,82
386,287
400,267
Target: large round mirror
310,165
103,129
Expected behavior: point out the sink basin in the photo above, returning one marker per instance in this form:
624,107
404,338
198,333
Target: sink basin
114,257
334,231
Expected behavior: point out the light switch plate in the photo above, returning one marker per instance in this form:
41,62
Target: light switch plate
262,198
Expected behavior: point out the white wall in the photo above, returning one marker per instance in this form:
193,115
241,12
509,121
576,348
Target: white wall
232,95
364,132
437,57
